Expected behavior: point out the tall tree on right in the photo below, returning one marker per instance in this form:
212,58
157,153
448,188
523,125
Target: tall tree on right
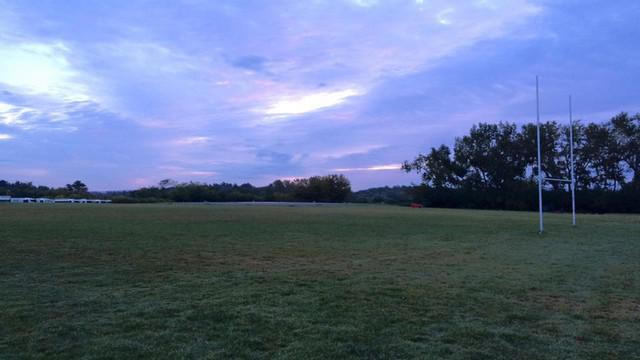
601,153
627,132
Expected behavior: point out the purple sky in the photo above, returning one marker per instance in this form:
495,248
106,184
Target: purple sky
122,94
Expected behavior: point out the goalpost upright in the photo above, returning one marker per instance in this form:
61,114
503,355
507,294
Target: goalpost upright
573,177
539,157
541,177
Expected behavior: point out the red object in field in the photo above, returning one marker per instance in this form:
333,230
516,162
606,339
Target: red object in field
416,205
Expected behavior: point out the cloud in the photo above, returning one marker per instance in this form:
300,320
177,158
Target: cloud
365,3
24,172
41,68
5,136
191,140
274,156
444,16
183,173
11,115
296,105
395,167
43,113
338,152
140,182
200,173
250,62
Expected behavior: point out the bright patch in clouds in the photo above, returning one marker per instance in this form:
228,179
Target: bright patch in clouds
395,167
52,115
200,173
5,137
365,3
183,174
444,17
10,115
40,68
192,140
309,103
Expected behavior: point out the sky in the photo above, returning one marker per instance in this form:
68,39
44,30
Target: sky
122,94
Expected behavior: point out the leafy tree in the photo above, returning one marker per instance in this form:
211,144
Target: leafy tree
581,170
491,156
77,187
167,183
601,153
553,160
330,188
627,132
401,195
437,168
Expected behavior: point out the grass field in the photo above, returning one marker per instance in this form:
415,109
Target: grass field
222,281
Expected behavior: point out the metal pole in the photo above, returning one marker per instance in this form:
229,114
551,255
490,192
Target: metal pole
573,179
539,161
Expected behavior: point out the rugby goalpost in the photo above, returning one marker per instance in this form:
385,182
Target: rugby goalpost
541,177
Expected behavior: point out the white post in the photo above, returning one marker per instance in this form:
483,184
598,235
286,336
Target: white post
573,179
539,161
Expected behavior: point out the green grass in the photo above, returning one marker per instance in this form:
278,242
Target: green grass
222,281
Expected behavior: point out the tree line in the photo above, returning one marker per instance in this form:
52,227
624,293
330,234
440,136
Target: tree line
495,166
329,188
76,189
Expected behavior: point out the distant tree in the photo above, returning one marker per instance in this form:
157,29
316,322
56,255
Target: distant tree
280,190
167,183
77,187
330,188
399,195
338,187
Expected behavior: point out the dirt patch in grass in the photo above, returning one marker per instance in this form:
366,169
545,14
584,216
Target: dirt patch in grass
620,309
559,303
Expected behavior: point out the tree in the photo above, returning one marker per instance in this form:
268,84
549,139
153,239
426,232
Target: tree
167,184
626,130
491,156
553,160
77,187
330,188
437,168
601,153
581,170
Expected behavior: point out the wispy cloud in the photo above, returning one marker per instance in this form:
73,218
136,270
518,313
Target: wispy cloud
17,172
341,152
191,140
292,105
183,173
395,167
